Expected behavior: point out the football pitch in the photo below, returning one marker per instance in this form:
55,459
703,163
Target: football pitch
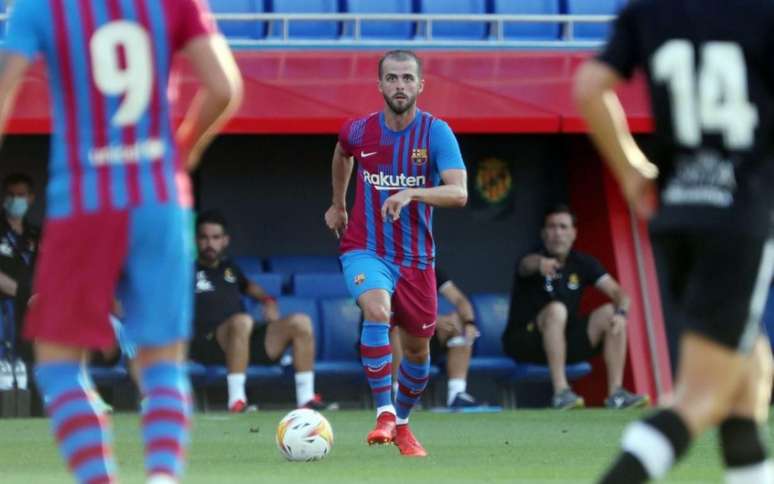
513,446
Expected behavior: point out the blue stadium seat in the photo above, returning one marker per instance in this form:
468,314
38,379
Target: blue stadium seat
304,28
287,265
271,283
596,31
531,30
768,315
109,375
320,285
240,29
491,318
382,29
248,264
456,30
339,354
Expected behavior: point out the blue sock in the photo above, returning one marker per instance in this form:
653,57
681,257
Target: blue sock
82,433
166,418
376,356
412,380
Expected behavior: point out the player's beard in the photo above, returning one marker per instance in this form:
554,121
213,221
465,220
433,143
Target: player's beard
209,256
398,108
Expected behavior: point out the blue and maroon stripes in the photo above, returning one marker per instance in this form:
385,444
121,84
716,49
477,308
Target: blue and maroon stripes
82,433
166,418
82,114
412,380
376,357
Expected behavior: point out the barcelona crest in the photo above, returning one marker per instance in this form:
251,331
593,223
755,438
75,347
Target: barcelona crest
419,156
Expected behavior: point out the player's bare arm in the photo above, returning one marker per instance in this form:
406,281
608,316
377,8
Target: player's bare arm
453,193
454,295
599,104
217,99
610,287
270,309
341,168
12,69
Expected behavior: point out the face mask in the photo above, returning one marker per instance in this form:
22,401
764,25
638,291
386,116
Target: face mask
16,207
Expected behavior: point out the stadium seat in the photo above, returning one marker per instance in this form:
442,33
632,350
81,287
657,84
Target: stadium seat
249,265
271,283
287,265
320,285
305,28
491,318
530,30
381,29
238,29
595,31
456,30
768,315
339,355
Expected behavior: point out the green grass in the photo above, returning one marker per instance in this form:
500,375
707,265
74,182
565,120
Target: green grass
512,446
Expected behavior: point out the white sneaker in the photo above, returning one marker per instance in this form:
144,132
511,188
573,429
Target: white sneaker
6,375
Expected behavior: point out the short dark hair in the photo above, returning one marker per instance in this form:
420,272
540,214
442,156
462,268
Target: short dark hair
401,55
211,217
560,208
16,178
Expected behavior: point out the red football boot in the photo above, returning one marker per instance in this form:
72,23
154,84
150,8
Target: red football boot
407,443
384,431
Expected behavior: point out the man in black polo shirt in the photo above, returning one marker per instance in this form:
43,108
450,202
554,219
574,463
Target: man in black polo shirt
545,326
225,333
18,250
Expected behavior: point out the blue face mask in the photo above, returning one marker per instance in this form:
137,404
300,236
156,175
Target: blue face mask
16,207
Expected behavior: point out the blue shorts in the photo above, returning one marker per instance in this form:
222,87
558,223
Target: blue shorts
413,292
143,256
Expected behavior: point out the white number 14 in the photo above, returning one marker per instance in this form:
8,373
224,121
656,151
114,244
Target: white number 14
718,102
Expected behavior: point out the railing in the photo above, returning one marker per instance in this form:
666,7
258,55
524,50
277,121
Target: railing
352,26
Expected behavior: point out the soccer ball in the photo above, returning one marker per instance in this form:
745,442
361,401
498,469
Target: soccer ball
304,435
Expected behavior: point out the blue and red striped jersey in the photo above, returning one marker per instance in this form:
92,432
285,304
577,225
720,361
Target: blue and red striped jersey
108,64
388,161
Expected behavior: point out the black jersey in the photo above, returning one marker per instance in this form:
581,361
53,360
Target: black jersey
218,294
709,68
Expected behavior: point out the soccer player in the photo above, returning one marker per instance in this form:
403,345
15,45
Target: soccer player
408,162
712,92
118,207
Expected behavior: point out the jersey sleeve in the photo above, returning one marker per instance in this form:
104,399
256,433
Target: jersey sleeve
194,19
622,51
444,149
23,35
593,270
344,137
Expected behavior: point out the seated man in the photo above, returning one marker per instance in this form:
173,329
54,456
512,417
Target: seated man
225,333
454,336
544,325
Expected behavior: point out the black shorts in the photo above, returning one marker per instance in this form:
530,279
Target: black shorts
715,284
206,350
525,344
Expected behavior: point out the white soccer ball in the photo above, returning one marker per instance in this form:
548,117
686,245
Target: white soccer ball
304,435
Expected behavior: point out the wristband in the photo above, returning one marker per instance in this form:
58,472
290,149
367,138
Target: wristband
267,299
469,322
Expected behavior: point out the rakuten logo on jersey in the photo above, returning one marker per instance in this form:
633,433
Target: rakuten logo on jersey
382,181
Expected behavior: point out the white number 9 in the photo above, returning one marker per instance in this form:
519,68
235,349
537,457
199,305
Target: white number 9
135,80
